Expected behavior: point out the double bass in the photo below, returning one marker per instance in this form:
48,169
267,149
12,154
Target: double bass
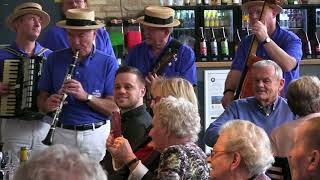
245,88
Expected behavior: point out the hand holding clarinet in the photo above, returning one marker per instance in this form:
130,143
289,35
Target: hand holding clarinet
56,101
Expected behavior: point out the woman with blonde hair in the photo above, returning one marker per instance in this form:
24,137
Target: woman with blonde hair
176,87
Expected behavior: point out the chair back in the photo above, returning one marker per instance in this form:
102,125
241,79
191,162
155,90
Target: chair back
280,169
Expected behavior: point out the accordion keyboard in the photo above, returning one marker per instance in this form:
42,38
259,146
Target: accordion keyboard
10,76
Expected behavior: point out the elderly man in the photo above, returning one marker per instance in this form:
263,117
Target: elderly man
275,43
304,157
266,108
84,120
56,37
304,100
242,152
155,51
129,90
27,20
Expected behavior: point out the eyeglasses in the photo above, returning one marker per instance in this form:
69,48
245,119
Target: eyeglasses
215,152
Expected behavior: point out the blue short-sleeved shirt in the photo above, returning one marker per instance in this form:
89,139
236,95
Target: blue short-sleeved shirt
286,40
142,58
249,109
96,75
56,38
7,55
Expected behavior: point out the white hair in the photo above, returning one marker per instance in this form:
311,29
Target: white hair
268,63
179,116
60,162
251,142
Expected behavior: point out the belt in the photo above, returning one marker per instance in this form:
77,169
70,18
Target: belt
82,127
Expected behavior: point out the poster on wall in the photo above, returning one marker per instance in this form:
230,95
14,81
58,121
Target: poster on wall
213,92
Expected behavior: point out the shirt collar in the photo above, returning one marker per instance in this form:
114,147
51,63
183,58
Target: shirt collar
37,48
86,61
267,110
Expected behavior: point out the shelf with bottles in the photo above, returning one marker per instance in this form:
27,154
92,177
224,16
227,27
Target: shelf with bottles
227,64
214,45
294,19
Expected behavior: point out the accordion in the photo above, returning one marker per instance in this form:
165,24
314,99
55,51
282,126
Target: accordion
22,76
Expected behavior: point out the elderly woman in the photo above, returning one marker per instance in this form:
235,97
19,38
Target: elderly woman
176,124
59,162
242,152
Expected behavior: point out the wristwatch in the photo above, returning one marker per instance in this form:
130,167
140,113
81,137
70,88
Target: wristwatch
89,98
267,40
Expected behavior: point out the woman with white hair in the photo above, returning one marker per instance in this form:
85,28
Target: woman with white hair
176,124
242,152
59,162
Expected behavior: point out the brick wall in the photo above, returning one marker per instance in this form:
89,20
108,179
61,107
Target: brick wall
120,8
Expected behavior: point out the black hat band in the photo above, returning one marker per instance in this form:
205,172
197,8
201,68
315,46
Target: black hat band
156,20
80,22
30,8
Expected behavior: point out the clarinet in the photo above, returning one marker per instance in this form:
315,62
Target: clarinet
49,137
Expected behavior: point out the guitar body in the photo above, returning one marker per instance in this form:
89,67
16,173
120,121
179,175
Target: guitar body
247,87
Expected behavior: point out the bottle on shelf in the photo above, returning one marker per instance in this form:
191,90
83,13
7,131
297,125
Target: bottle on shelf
224,2
317,48
307,50
245,21
203,45
236,2
23,155
206,2
186,2
213,46
237,41
199,2
224,46
207,15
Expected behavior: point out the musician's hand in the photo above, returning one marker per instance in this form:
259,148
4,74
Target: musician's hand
53,102
227,99
74,88
4,89
260,30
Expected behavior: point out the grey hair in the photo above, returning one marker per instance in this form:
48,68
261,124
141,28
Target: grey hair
179,117
60,162
304,95
251,142
268,63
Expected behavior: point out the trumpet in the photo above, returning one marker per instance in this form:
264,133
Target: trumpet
49,137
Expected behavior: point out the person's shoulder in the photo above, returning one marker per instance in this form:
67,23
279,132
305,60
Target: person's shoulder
245,101
284,33
183,148
101,55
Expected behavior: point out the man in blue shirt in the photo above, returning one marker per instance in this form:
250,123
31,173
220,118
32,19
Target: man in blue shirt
275,43
27,21
56,37
158,23
84,121
265,109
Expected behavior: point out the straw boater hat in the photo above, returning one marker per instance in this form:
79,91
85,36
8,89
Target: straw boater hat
79,19
158,16
28,8
249,3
